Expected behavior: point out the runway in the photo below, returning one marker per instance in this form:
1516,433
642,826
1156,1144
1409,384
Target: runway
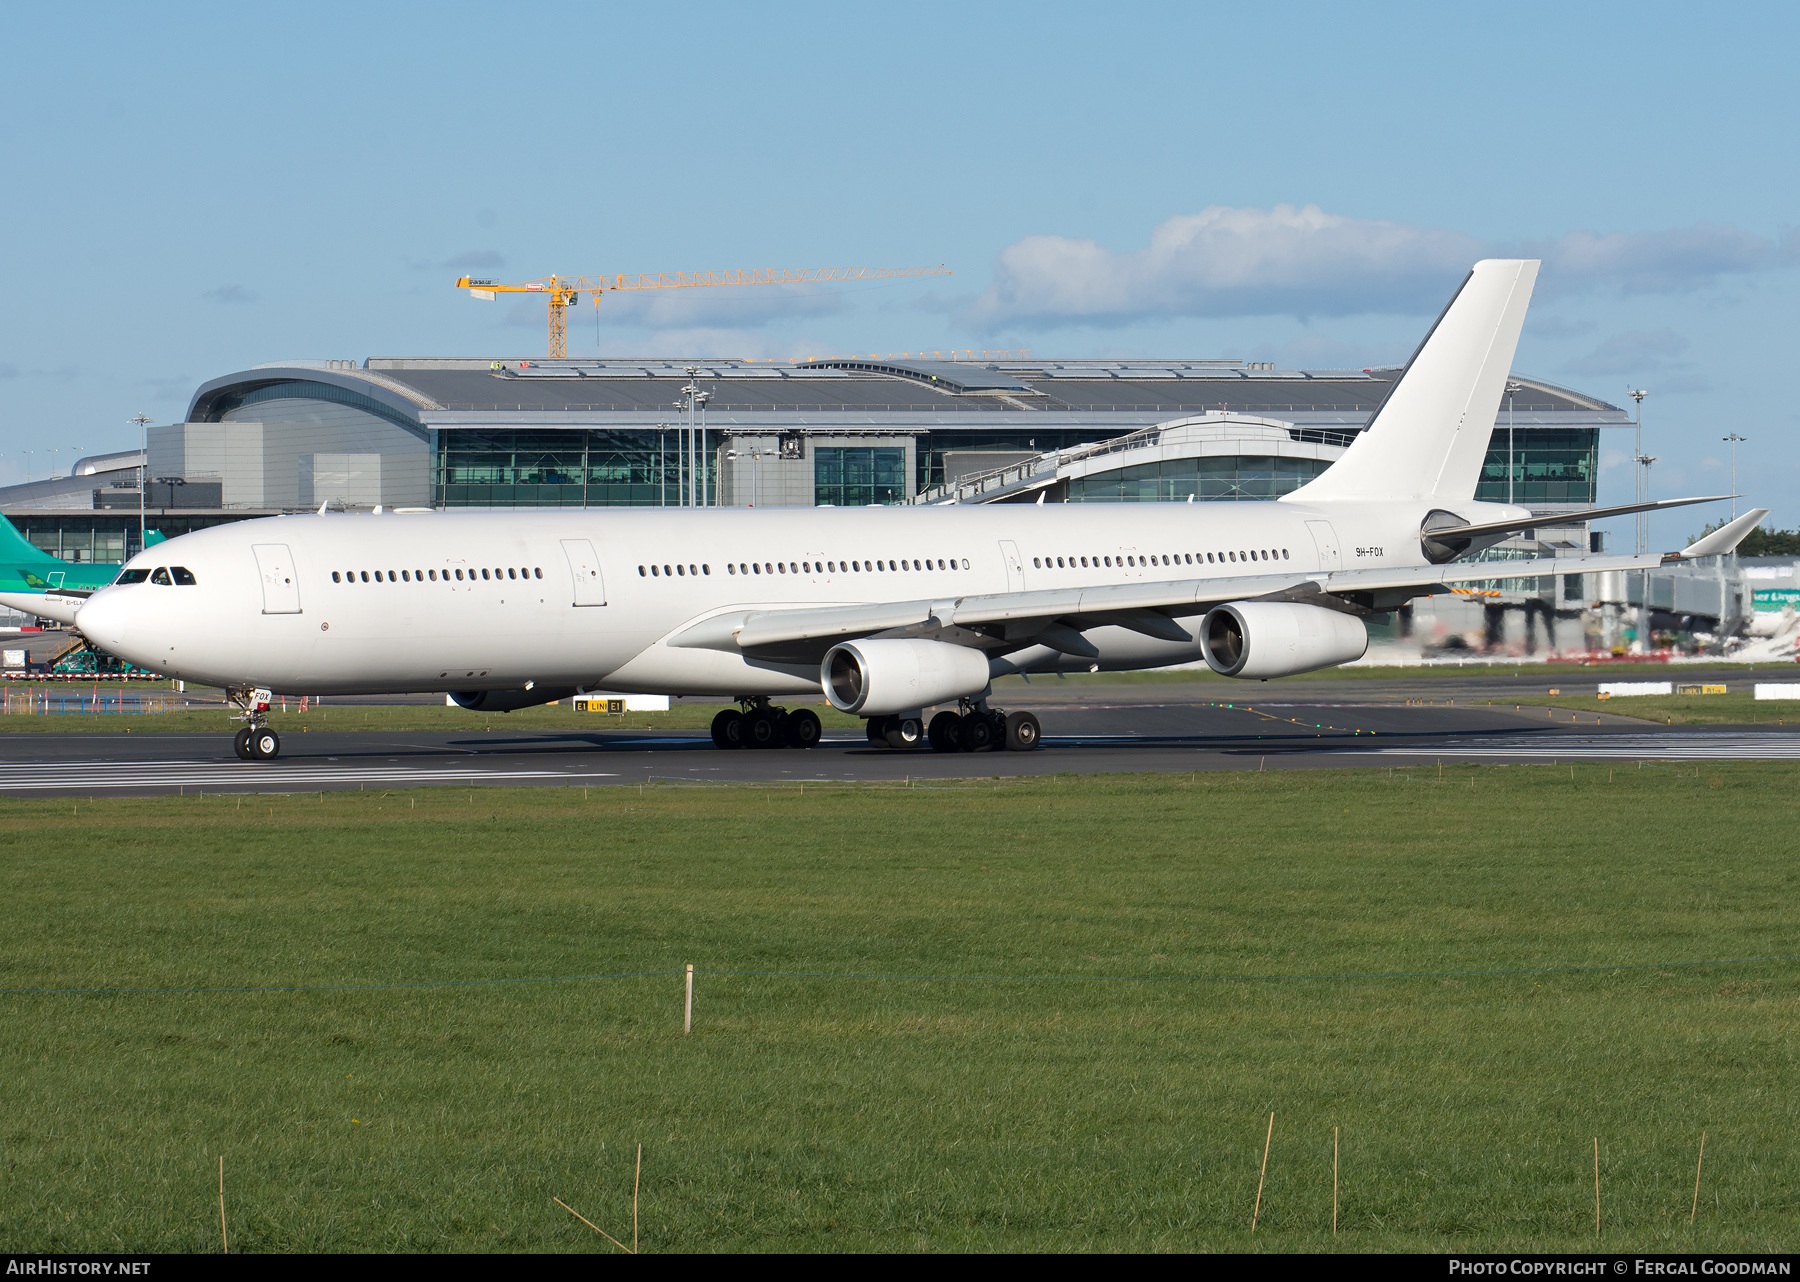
1087,730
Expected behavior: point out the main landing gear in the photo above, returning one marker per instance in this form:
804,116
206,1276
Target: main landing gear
255,742
974,727
760,726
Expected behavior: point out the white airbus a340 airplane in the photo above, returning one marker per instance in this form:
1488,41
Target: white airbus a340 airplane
887,611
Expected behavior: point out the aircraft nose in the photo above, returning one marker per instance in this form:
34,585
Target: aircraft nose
104,619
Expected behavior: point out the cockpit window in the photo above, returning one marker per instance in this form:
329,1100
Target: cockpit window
133,576
161,575
183,576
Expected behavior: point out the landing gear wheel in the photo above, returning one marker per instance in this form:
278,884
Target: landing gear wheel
762,729
728,729
945,732
240,743
803,729
265,745
876,729
977,732
1022,732
903,733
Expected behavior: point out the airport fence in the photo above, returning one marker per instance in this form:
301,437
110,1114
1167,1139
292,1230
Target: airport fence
62,700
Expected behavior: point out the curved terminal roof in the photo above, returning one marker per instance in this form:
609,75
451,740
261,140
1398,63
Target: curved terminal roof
457,392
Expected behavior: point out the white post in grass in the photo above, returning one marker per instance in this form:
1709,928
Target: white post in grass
687,1018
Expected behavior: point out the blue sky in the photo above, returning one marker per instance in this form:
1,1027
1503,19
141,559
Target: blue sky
191,189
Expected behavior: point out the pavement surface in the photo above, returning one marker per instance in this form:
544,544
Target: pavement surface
1090,727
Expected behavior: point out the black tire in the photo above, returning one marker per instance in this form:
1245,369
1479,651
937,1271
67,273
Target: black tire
945,732
803,729
1022,732
904,733
977,733
728,729
265,745
240,743
763,729
876,729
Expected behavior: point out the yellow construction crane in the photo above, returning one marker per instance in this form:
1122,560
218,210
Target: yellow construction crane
563,292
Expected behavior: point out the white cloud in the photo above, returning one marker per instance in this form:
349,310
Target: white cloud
1289,260
1676,261
1303,261
228,294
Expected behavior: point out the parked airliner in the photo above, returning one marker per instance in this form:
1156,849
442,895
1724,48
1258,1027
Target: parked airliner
886,611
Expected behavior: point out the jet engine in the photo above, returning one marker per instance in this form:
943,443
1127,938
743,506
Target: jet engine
507,700
880,678
1256,640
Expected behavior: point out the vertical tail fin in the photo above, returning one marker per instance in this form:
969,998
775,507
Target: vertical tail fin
16,549
1429,436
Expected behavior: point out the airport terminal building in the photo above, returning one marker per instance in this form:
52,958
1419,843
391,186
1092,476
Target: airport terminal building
481,433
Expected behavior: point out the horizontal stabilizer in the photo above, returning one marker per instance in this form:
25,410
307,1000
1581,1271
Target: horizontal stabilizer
1570,518
1726,537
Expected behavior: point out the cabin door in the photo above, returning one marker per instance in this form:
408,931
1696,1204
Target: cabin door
1015,565
590,588
1325,538
281,587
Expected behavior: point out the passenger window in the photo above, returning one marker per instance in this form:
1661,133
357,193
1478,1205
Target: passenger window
1284,554
335,577
511,573
183,576
138,576
729,568
756,569
681,570
706,569
459,576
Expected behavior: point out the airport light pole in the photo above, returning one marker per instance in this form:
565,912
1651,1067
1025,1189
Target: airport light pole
1512,389
1734,438
1643,523
143,471
1644,461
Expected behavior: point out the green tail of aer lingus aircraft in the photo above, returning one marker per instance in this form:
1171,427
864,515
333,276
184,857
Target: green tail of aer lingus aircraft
33,577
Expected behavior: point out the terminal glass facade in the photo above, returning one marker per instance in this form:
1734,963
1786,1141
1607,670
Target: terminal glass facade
853,476
576,468
1549,465
1174,480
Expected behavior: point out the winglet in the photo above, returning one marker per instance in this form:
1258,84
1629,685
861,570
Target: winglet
1726,537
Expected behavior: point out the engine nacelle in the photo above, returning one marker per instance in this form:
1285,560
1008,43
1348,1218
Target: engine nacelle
507,700
879,678
1256,640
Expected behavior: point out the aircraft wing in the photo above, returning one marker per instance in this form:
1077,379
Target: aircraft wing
1056,616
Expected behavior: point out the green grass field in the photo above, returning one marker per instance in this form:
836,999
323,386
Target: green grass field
1089,1094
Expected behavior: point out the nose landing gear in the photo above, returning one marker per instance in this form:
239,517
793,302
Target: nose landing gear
255,742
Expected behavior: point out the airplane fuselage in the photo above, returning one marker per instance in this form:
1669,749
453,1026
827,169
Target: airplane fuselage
587,598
